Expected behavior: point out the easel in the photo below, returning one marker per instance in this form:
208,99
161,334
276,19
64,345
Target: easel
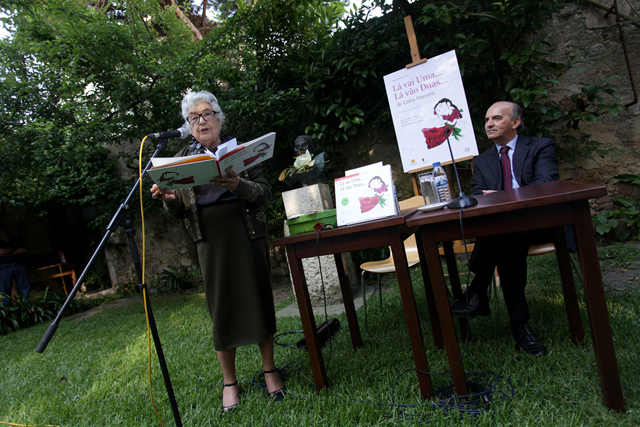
415,55
449,248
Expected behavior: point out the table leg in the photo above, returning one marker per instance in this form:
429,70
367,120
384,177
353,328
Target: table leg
349,306
307,318
568,286
596,307
411,315
432,257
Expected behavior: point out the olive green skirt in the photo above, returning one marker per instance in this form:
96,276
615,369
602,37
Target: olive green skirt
236,276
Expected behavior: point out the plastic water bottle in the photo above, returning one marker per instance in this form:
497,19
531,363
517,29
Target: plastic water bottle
442,185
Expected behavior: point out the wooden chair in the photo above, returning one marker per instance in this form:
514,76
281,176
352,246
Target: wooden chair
386,265
54,271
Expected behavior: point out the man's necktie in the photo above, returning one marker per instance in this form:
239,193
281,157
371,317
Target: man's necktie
506,168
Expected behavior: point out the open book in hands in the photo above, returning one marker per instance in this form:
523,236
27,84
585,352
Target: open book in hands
179,172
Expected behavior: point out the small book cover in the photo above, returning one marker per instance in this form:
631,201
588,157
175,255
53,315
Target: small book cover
179,172
365,195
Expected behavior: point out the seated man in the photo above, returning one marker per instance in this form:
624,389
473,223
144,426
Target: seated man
515,161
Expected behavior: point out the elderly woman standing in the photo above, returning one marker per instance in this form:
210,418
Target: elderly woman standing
226,221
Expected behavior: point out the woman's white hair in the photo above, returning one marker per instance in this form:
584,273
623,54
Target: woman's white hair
195,98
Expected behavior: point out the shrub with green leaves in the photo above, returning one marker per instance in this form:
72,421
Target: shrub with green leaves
37,309
606,223
178,278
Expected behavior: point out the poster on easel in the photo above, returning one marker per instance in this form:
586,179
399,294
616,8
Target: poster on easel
428,103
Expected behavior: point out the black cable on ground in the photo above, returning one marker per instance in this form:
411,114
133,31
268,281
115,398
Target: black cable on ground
287,344
483,398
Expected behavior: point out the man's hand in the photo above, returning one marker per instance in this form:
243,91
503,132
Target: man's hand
488,191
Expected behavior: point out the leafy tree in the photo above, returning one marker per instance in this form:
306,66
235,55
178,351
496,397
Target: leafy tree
78,79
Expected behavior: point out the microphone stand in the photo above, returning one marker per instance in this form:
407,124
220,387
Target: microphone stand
462,201
133,251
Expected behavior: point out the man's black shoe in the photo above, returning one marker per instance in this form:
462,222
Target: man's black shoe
526,341
476,306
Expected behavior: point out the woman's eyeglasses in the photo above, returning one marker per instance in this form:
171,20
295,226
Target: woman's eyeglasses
207,115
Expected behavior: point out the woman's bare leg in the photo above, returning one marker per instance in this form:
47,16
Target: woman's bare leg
274,383
227,359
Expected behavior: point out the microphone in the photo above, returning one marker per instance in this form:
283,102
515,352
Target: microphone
463,201
181,133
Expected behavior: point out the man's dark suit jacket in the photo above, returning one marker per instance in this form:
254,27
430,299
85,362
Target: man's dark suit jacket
534,162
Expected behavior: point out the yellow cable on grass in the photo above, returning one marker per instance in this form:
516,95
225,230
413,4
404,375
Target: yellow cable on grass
144,296
26,425
144,289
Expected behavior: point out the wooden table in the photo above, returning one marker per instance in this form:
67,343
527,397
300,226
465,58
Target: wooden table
389,231
552,204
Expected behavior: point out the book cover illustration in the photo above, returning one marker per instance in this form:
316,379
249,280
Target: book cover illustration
249,154
365,196
178,172
379,188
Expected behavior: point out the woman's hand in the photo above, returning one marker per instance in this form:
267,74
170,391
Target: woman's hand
231,183
164,195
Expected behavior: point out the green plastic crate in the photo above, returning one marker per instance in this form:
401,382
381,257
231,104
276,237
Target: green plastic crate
306,223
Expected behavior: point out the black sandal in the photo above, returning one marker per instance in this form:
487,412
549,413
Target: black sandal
278,395
230,408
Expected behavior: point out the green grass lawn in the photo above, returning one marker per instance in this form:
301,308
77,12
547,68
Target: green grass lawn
95,373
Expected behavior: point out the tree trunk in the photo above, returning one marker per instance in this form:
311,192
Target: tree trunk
204,13
197,35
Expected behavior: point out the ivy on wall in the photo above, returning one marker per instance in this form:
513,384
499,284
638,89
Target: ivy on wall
78,80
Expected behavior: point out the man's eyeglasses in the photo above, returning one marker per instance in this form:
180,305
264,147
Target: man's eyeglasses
207,115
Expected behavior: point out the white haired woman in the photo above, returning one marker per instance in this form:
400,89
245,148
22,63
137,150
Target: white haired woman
226,221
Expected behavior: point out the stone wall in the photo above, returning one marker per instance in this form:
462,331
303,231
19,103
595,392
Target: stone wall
579,29
583,30
279,265
167,244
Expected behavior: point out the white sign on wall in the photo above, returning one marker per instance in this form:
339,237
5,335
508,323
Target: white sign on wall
427,104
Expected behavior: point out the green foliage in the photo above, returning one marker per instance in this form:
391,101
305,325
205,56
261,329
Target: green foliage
8,319
75,81
620,255
275,214
127,289
628,213
178,279
37,309
109,384
603,224
255,62
78,81
500,62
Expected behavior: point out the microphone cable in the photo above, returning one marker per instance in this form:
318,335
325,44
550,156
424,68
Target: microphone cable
144,288
144,296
